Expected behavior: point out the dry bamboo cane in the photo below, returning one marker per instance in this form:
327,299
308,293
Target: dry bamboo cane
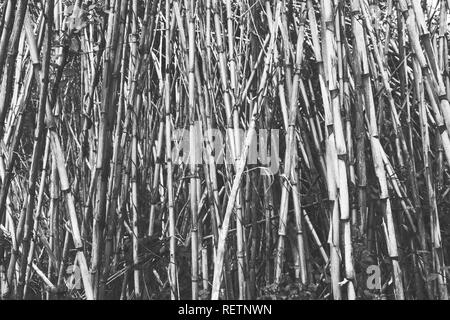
135,105
193,151
6,89
63,177
26,219
290,146
211,152
14,144
443,43
416,26
9,15
299,224
11,117
398,132
342,150
314,128
359,35
240,166
134,196
250,211
434,219
117,157
36,218
360,144
331,159
156,175
240,236
6,179
413,181
232,118
183,73
434,78
223,75
54,219
384,196
104,144
168,140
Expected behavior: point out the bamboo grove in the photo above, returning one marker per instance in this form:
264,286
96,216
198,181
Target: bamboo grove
99,201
